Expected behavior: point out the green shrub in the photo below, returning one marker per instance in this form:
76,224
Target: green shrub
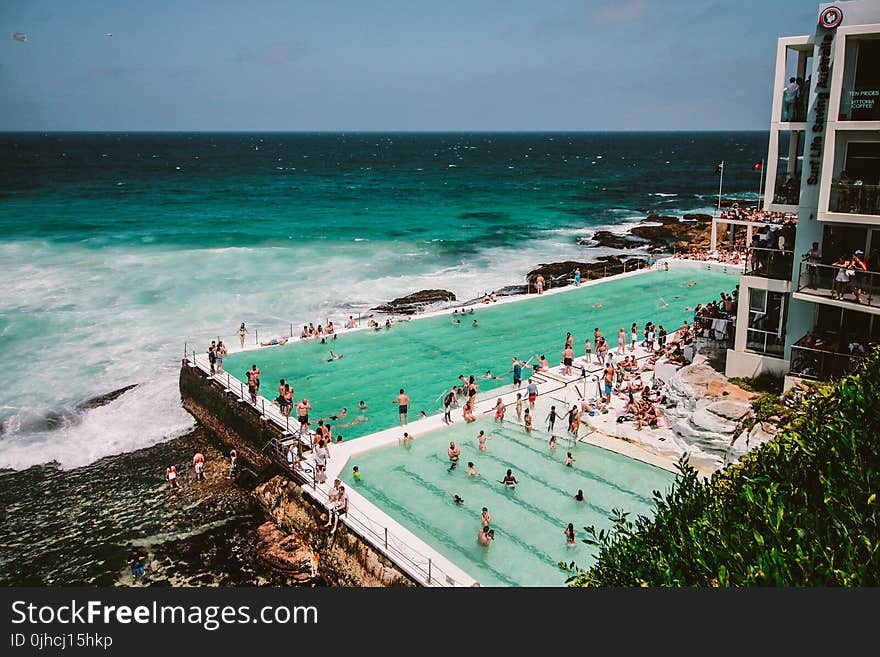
801,510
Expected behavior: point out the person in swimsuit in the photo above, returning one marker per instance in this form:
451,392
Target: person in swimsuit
539,284
484,536
481,440
486,516
579,496
567,359
552,443
551,418
242,331
499,411
519,407
199,466
334,356
569,460
274,341
634,336
472,471
402,402
302,413
458,499
447,406
171,476
588,351
569,534
509,479
454,452
527,421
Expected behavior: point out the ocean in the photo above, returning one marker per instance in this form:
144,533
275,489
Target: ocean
117,250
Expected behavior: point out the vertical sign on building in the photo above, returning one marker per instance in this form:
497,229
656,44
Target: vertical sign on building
829,19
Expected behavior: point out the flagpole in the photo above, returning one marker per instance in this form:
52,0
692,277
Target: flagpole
760,186
720,181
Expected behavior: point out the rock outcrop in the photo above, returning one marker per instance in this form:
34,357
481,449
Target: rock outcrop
415,302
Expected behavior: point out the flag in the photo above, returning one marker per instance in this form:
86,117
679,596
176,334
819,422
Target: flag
719,168
18,36
758,166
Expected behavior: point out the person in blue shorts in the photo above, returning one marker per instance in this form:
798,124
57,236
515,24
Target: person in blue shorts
517,372
577,277
136,562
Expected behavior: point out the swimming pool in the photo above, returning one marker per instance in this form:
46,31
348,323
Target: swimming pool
426,356
415,486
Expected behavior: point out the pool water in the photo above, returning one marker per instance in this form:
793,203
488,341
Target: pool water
415,486
426,356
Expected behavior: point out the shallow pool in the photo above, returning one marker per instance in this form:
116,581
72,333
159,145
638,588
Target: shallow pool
415,486
426,356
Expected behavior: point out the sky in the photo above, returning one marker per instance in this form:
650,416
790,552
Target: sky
386,65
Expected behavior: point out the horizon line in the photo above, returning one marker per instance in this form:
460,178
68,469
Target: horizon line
388,131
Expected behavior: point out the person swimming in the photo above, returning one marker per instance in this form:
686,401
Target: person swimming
334,356
579,496
457,499
356,473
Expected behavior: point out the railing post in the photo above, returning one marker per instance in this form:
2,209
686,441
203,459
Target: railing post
429,571
604,271
291,329
227,381
256,336
386,538
184,349
263,402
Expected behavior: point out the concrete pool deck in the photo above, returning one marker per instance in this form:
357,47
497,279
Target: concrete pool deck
410,553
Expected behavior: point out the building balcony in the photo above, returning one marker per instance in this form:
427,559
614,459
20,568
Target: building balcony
854,199
820,362
833,285
769,263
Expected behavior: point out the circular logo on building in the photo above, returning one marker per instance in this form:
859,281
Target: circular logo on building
831,18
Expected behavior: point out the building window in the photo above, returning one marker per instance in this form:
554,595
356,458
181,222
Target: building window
766,328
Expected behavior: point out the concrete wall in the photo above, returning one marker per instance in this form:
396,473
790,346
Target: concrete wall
238,424
747,364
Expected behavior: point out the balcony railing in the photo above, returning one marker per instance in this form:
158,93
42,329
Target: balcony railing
769,263
821,364
855,199
787,191
827,281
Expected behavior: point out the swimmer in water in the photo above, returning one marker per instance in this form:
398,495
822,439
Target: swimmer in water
334,356
579,496
356,473
597,305
509,479
457,499
481,440
486,516
569,534
472,471
569,460
485,535
692,283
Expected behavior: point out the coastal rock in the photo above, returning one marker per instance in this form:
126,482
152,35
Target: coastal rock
607,239
697,217
660,219
103,400
415,302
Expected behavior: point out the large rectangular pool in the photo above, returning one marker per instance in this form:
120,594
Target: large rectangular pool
426,356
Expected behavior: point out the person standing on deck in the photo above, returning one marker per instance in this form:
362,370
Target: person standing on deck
532,390
588,351
567,359
519,407
402,402
242,331
633,336
539,284
220,353
577,277
621,341
447,406
212,355
302,413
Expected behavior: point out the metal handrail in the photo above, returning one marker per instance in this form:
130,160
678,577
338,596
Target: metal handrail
424,570
820,364
821,278
768,263
849,198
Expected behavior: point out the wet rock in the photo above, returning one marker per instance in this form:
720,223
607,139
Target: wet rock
415,302
697,217
607,239
661,219
103,400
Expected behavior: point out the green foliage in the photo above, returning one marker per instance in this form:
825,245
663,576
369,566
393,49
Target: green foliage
801,510
766,382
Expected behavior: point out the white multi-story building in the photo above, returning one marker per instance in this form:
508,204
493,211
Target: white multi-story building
794,317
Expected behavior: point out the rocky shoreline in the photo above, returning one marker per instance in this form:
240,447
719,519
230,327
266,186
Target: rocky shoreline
655,235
